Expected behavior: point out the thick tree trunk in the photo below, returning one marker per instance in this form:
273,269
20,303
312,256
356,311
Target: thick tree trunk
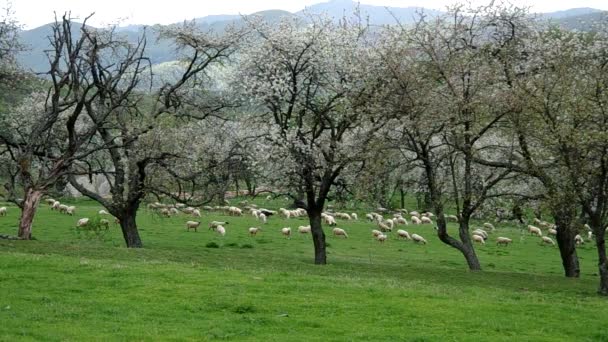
129,229
467,249
318,236
602,262
567,247
30,204
402,194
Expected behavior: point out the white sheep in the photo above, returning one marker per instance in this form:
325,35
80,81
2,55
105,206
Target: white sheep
390,223
3,211
339,232
481,233
489,226
220,230
55,205
503,241
83,222
415,213
384,227
286,232
403,234
369,217
552,231
254,230
418,239
63,208
214,224
354,216
381,238
70,210
415,220
304,229
196,213
535,230
479,238
103,212
192,225
262,217
49,201
400,220
375,233
173,211
578,239
452,218
547,240
426,220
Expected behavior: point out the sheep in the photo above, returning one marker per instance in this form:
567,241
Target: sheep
415,213
535,230
547,240
285,212
479,238
376,233
214,224
220,230
426,220
429,214
503,241
537,220
401,220
3,211
329,220
173,211
339,232
418,239
452,218
49,201
55,205
304,229
489,226
70,210
403,234
192,225
103,212
384,228
63,208
254,230
369,217
179,205
262,217
415,220
354,216
188,210
196,213
552,231
481,233
590,236
578,239
381,238
165,212
286,232
83,222
390,223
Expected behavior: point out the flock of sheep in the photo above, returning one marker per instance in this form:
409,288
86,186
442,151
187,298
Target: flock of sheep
383,225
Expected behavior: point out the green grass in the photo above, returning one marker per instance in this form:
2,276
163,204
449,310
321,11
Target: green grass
66,286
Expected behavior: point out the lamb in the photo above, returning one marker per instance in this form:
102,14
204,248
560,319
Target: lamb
70,210
254,230
381,238
489,226
192,225
426,220
552,232
214,224
376,233
3,211
547,240
196,213
262,217
221,230
418,239
304,229
415,220
55,205
286,231
103,212
83,222
479,238
535,231
339,232
403,234
503,241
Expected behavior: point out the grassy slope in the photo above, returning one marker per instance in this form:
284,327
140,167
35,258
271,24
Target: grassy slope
64,287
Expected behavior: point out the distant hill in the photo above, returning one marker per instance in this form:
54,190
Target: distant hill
583,22
573,12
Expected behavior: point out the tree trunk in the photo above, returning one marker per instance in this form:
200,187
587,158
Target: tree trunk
30,204
129,229
402,194
602,262
318,236
567,247
467,249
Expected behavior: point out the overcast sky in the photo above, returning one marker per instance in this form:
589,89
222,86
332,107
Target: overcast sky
33,13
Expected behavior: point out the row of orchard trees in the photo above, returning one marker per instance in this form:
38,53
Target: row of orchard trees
481,103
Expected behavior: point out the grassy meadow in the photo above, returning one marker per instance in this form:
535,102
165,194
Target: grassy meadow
201,286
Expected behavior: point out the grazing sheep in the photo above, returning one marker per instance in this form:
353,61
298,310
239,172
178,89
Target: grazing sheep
384,227
403,234
103,212
49,201
479,238
55,205
415,220
214,224
376,233
220,230
552,231
173,211
192,225
400,220
105,223
63,208
489,226
369,217
381,238
254,230
262,217
286,231
3,211
70,210
188,210
415,213
578,240
354,216
426,220
452,218
418,239
503,241
82,222
590,236
196,213
329,220
547,240
481,233
339,232
304,229
535,231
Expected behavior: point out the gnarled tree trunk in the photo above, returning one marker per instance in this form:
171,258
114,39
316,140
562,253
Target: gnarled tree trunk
318,236
467,249
129,229
30,204
567,246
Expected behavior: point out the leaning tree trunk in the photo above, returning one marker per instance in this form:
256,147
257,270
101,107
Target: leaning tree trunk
318,236
602,262
30,204
567,247
129,229
467,249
